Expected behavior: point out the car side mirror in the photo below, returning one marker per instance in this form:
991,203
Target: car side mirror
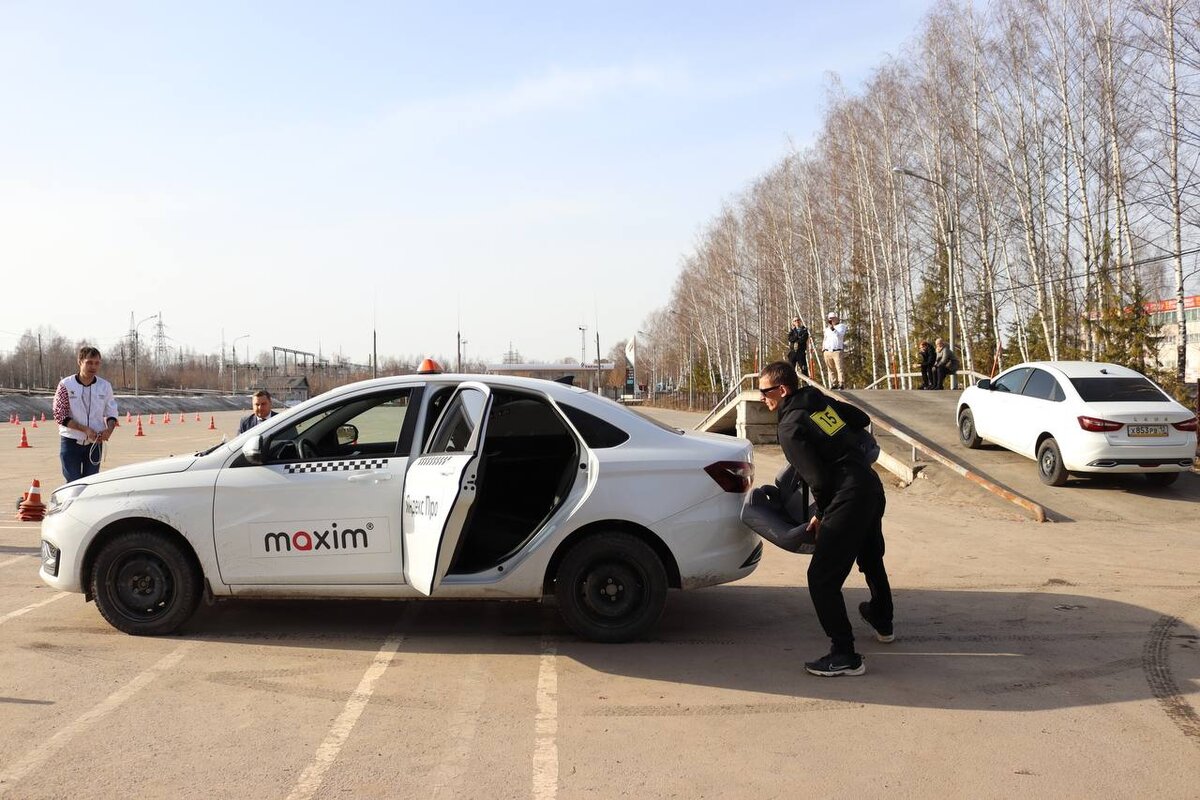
347,434
252,451
984,384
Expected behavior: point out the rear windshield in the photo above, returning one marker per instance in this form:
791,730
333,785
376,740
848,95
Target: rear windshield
1118,390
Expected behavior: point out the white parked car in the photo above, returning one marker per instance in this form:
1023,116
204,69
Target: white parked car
451,485
1081,417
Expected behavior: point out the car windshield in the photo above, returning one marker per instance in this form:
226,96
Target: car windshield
1118,390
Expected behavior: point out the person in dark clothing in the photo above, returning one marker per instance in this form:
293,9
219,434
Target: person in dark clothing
925,351
818,437
945,362
261,402
798,346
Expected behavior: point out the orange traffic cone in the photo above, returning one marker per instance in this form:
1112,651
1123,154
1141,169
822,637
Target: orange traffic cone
43,416
212,423
182,418
129,418
151,419
33,420
140,432
24,440
166,419
197,416
32,509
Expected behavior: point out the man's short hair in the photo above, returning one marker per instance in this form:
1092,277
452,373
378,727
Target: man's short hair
262,393
87,351
781,373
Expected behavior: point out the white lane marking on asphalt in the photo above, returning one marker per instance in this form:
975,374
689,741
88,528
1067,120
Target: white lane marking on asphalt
310,780
27,609
971,655
14,560
36,757
545,746
461,728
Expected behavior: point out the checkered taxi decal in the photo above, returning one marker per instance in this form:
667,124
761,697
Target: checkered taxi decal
335,466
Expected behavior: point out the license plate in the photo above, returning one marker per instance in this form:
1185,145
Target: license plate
1135,431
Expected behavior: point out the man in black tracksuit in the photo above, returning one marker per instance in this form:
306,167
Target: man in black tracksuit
817,434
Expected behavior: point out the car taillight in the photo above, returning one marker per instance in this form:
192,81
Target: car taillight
1097,424
732,476
1186,425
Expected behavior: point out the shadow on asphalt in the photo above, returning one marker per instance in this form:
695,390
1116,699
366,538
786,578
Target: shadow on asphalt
1001,650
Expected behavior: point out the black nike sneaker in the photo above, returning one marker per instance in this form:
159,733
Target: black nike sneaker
835,665
883,632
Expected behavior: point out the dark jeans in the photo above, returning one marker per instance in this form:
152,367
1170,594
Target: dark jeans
939,377
927,381
799,361
77,458
851,531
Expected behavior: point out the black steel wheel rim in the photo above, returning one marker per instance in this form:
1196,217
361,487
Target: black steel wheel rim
143,585
1049,462
965,428
612,590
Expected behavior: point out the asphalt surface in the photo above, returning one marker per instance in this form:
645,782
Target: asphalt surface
1059,659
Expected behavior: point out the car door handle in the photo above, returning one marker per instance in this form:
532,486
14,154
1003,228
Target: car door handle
374,476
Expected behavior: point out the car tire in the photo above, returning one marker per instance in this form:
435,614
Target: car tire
1050,464
611,587
1162,479
966,430
145,583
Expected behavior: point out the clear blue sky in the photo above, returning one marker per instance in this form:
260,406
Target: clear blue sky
300,172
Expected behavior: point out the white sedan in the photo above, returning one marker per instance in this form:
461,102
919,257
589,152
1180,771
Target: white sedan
1081,417
447,485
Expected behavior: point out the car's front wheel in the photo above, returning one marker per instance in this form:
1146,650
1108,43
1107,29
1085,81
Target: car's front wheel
611,587
144,583
1050,464
966,430
1162,478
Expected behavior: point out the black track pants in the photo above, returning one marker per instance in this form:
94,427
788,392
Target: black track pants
851,530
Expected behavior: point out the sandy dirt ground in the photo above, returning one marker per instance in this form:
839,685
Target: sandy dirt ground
1059,659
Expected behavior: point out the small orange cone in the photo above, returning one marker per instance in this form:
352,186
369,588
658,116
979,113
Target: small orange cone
33,420
32,509
24,440
197,416
151,419
129,418
140,432
43,416
182,418
166,419
212,423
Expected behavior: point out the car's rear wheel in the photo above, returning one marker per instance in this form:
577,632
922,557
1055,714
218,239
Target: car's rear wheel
145,584
1162,478
966,430
611,587
1050,464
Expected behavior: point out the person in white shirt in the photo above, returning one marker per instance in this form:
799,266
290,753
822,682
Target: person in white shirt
832,343
86,412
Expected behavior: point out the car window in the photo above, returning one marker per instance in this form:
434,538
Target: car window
596,432
1011,381
1043,386
458,423
1118,390
360,426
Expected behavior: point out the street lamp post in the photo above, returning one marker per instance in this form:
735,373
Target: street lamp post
949,250
233,372
135,351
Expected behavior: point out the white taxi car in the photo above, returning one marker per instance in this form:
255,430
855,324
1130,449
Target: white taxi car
449,485
1081,417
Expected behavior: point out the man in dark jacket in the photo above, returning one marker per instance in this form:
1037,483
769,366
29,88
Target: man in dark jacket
261,402
818,437
798,346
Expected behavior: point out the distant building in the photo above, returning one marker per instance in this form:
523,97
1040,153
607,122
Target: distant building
286,390
584,374
1162,314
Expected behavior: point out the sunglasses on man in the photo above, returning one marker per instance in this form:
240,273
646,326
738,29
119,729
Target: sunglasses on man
767,391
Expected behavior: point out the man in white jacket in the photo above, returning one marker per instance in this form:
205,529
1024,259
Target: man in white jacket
832,342
86,412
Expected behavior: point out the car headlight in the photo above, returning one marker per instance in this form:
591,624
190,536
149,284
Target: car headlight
61,498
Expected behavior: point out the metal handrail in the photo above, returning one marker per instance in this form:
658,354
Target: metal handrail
976,376
724,401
